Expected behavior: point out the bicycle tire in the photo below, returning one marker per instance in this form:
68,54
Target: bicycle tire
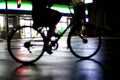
82,49
25,49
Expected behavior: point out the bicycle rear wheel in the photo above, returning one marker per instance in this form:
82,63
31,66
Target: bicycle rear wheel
84,44
25,44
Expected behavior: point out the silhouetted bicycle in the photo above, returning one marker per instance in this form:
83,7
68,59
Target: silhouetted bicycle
82,43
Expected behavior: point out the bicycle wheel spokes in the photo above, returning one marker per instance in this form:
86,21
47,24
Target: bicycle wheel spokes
83,49
26,47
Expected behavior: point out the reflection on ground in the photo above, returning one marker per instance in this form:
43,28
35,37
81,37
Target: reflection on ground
88,69
62,65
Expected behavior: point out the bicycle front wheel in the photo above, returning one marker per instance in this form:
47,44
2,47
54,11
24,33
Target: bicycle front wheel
25,44
83,44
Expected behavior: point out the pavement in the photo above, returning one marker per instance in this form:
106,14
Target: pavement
62,65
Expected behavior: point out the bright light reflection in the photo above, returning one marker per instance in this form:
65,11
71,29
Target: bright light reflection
88,1
87,19
14,7
88,68
29,8
1,21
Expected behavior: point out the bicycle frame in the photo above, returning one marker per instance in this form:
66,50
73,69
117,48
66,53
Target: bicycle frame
73,21
64,31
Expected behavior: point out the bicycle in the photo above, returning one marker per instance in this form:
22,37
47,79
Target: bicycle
29,50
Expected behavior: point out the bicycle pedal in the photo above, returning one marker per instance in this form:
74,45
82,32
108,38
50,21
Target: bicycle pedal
50,53
49,50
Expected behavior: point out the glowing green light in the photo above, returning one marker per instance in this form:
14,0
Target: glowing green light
28,6
86,11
